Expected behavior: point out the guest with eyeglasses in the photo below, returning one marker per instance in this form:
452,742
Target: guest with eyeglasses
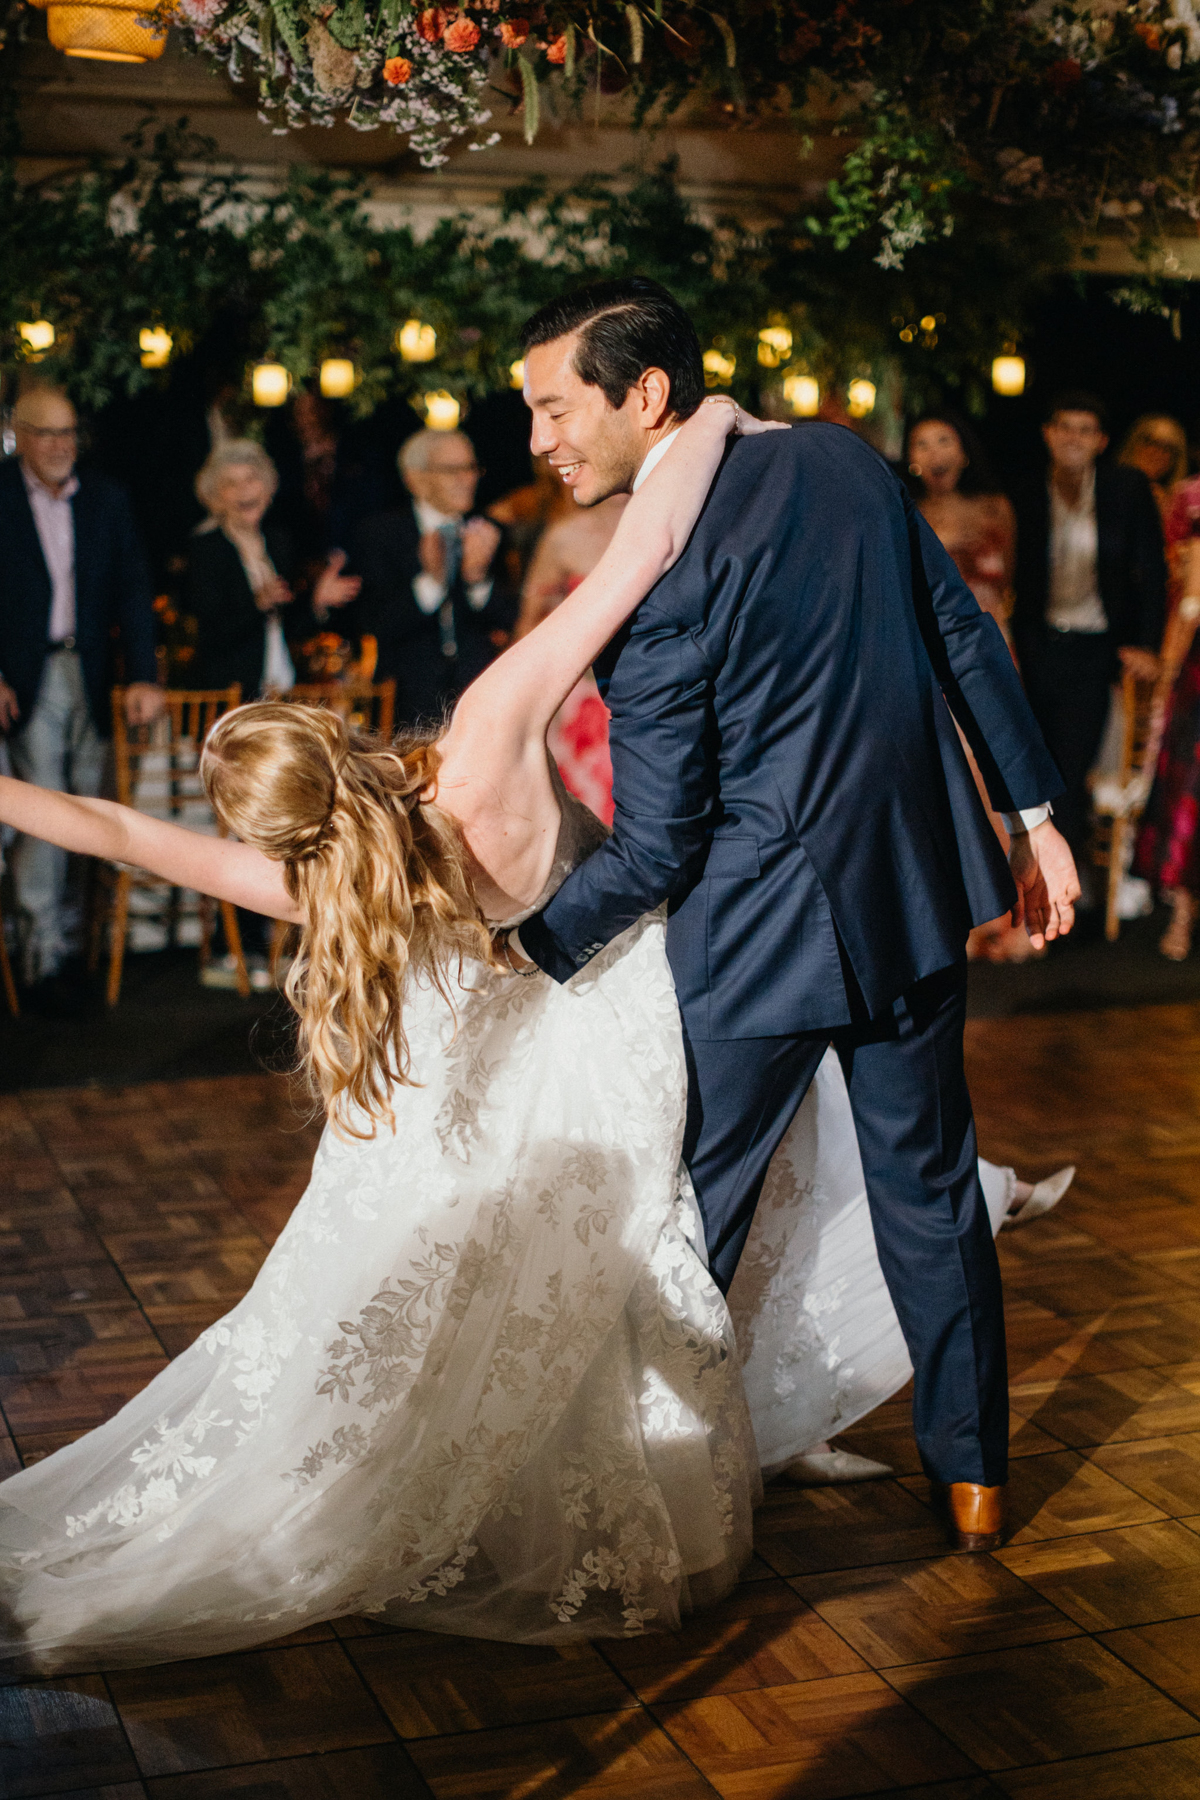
76,610
435,594
1157,445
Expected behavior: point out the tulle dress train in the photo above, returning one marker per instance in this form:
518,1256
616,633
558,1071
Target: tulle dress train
483,1382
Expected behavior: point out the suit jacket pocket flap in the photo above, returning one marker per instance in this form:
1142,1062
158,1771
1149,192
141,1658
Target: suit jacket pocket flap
731,858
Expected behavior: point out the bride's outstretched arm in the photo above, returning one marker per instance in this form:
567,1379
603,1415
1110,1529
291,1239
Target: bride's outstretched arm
512,703
187,859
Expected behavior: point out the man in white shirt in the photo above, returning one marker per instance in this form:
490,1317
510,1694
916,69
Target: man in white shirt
1091,592
76,587
435,594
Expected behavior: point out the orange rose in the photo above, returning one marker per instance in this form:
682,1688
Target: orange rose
557,51
1150,35
513,33
463,35
431,24
397,70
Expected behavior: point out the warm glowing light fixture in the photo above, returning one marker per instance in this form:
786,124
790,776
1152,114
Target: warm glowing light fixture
860,397
516,373
270,384
442,411
1008,375
803,395
37,335
718,368
337,377
416,342
155,345
774,346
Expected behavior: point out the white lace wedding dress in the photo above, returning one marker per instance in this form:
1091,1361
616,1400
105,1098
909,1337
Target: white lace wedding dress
483,1382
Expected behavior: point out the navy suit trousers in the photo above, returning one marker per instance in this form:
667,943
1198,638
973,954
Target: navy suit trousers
916,1134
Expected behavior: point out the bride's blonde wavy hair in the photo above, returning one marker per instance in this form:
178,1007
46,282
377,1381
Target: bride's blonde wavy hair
381,879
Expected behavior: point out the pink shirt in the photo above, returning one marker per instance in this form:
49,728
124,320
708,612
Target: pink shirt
55,521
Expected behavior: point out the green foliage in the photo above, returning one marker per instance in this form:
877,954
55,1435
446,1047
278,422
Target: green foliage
305,274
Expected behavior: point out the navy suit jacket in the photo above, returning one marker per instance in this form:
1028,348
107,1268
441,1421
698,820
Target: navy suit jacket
112,589
785,762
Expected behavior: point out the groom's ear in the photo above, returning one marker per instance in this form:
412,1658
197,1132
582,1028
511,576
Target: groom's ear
650,398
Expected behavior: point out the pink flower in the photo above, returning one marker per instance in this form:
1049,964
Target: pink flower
200,13
463,35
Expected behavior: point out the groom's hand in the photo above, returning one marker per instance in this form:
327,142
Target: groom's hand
1047,884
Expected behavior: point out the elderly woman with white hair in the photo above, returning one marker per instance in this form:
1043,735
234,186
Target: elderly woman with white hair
236,585
237,579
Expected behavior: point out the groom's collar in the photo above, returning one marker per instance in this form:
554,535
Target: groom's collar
654,457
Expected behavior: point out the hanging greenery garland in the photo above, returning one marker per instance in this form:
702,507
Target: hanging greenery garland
1092,107
102,262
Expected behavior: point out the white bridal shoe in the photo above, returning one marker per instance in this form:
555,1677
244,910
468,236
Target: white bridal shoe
1044,1198
830,1468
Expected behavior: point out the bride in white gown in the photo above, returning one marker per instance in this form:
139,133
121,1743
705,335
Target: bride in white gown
483,1382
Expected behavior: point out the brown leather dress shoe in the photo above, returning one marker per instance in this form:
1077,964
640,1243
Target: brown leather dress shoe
974,1515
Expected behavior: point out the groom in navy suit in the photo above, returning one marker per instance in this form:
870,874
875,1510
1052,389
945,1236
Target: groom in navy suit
787,776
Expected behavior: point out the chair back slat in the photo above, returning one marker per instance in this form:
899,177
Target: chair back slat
157,766
371,705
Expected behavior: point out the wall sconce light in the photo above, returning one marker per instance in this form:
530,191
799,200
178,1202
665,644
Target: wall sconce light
416,342
860,397
155,345
1008,375
270,384
442,411
337,377
803,395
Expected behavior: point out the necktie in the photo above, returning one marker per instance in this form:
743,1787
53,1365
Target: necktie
451,537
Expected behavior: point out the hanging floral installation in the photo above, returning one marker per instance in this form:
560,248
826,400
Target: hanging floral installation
1092,107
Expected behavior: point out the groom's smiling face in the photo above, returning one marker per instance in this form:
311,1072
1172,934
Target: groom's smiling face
595,448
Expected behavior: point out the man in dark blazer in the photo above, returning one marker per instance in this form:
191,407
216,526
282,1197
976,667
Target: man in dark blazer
789,780
75,593
434,593
1091,594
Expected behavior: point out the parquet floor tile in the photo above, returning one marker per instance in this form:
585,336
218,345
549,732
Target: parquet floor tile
920,1612
856,1657
1165,1471
613,1756
248,1708
1157,1772
1040,1703
384,1772
59,1735
764,1635
1106,1409
1058,1495
1166,1653
1115,1578
801,1530
851,1734
430,1685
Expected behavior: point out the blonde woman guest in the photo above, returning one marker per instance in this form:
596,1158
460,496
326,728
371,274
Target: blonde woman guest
1157,445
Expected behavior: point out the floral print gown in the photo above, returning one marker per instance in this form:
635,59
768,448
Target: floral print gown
483,1382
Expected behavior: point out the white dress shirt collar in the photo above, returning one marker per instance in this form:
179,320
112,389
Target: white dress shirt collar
430,519
654,457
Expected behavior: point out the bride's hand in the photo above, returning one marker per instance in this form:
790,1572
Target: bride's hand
737,421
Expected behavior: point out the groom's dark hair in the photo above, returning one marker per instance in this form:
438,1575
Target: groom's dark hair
625,327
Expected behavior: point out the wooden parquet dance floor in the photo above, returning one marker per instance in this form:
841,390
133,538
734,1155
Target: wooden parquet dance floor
855,1658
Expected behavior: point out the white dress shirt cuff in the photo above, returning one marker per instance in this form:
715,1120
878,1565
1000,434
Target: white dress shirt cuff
478,594
1017,823
428,591
514,938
